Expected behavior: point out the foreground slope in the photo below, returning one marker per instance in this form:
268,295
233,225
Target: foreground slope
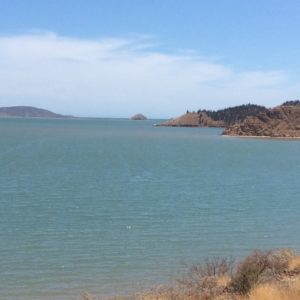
263,275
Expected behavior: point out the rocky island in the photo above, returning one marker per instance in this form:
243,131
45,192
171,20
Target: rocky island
29,112
138,117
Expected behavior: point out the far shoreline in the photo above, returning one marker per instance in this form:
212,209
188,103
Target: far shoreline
262,137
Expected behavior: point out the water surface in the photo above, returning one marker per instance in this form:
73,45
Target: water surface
111,206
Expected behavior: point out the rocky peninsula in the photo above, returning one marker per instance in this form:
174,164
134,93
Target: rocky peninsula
247,120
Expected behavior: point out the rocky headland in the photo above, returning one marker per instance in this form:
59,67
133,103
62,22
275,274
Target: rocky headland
280,122
29,112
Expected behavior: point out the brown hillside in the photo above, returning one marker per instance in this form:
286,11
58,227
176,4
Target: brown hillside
282,121
193,119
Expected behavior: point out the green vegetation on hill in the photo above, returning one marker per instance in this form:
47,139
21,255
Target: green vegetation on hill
235,114
220,118
292,103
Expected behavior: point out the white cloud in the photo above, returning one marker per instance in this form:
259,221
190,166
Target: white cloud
120,77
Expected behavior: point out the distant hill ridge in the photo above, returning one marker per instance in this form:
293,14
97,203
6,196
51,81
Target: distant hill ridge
28,112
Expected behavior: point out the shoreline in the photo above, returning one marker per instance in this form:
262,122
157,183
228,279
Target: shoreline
263,137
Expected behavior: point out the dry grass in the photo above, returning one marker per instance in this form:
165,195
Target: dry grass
223,280
294,263
88,296
272,291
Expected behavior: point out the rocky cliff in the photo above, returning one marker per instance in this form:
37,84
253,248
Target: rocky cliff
281,121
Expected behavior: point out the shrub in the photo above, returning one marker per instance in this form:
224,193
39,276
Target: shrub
201,282
260,266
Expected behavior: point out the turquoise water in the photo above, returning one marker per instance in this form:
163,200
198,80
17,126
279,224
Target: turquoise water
112,206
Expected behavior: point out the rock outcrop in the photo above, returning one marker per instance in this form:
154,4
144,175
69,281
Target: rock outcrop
138,117
28,112
281,121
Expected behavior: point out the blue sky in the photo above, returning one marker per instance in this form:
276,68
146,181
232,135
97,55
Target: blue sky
119,57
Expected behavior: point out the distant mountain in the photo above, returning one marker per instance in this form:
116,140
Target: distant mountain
281,121
28,112
220,118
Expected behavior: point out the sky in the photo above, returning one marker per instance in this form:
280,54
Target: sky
116,58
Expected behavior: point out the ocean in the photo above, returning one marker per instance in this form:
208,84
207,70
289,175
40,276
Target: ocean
113,206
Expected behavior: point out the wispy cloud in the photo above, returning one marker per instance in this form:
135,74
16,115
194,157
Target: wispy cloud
120,77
